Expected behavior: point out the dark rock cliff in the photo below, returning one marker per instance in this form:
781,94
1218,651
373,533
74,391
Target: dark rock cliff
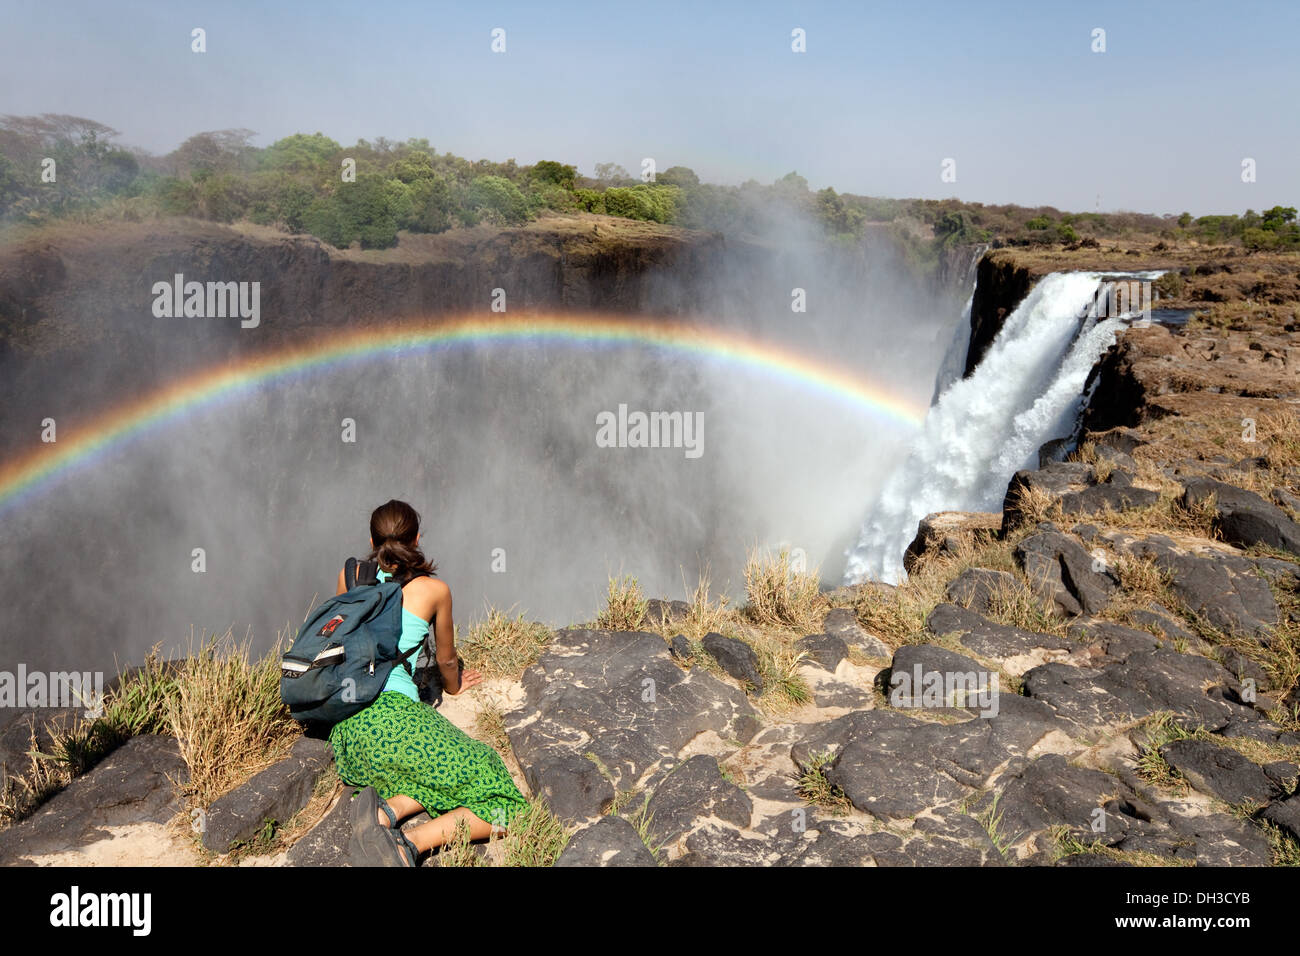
1000,284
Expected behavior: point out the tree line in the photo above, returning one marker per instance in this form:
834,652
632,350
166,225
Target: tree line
56,166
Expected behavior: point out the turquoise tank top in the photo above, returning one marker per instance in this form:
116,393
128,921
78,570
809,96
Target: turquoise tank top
414,630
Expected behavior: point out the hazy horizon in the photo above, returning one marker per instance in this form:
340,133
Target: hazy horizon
1015,95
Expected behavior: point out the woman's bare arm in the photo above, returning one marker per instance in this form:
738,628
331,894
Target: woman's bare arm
444,639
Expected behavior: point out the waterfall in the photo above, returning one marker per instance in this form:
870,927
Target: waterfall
1026,391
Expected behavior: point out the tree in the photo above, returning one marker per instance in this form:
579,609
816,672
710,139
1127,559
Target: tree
612,174
1278,216
301,153
792,182
219,151
498,198
549,171
433,205
678,176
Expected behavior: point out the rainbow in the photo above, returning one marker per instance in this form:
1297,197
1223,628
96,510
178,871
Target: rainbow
29,473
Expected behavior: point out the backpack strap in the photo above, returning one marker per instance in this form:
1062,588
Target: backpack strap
405,658
360,572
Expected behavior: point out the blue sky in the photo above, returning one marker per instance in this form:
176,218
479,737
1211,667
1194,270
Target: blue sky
1160,122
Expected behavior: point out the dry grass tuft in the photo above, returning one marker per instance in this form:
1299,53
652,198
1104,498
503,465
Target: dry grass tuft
503,646
780,594
227,716
625,606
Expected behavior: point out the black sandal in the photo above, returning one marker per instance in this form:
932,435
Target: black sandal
380,846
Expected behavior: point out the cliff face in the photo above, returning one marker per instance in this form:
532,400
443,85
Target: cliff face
572,264
1000,283
79,300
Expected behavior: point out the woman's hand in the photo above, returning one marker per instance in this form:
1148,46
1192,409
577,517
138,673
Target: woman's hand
468,679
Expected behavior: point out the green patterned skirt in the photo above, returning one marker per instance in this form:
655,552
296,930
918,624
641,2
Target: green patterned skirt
399,746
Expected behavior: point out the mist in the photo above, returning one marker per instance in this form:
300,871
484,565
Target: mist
495,446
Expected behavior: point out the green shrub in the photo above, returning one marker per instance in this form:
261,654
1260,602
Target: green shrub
557,174
494,197
645,201
433,205
590,200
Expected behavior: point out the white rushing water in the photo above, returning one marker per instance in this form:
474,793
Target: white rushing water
1026,391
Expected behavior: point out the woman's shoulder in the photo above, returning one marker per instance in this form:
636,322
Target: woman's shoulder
427,584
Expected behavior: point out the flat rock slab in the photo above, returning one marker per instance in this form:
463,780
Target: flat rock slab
696,790
823,650
129,786
1243,517
893,766
1221,839
842,622
1114,641
1049,792
1225,588
611,841
999,642
277,793
326,844
1110,496
606,709
1219,771
1145,682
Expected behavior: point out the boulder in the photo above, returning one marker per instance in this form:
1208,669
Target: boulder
607,709
977,588
1285,814
276,794
989,639
1055,481
131,785
611,841
1063,573
842,622
1243,517
824,650
667,613
1219,771
945,532
695,791
736,658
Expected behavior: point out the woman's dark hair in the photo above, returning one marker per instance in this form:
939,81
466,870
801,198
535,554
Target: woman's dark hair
394,528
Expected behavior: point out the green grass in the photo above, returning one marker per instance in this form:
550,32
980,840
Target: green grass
535,837
820,792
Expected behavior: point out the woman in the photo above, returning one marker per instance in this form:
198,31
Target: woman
405,754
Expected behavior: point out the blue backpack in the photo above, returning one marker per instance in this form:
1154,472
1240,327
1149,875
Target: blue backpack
340,660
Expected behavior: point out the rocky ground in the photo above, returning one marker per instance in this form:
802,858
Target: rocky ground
1104,673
